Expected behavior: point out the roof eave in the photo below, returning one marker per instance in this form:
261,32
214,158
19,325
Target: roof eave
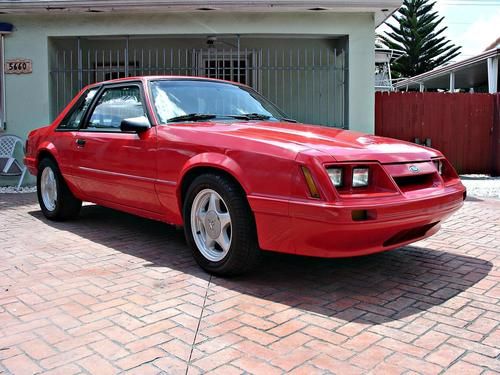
381,9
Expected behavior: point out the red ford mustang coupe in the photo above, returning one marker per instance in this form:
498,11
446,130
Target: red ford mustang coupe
221,160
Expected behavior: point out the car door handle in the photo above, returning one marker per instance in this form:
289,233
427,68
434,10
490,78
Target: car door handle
81,142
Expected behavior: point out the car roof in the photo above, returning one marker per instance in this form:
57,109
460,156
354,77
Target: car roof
162,77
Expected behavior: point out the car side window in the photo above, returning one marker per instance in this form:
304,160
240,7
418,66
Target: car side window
75,116
114,105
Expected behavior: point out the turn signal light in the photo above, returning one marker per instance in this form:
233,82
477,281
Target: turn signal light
311,185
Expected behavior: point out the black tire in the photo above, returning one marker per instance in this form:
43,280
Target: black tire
244,253
67,206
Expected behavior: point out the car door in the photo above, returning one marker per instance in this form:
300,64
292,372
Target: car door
113,165
66,131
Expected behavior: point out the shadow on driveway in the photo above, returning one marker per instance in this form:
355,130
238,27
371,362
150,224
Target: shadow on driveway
16,200
389,286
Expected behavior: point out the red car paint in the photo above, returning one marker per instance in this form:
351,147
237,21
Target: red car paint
143,174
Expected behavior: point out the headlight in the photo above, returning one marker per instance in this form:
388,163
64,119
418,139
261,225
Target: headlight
360,177
336,176
439,166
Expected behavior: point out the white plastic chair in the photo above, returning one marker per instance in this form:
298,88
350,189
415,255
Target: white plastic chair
11,166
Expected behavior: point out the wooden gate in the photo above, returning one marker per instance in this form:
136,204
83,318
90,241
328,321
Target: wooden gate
461,126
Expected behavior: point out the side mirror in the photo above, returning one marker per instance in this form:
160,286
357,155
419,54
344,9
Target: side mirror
135,124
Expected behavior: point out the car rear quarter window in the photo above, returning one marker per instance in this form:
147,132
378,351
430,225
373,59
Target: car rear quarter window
114,105
75,116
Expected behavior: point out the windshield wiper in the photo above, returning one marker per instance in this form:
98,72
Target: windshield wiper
192,117
250,116
288,120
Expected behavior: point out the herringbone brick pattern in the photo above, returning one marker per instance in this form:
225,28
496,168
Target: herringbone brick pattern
112,293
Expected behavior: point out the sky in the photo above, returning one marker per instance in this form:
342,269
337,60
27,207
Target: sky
472,24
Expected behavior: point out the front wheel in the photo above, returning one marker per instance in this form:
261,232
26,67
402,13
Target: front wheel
219,226
56,200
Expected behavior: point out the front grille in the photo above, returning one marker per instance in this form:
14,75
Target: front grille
415,182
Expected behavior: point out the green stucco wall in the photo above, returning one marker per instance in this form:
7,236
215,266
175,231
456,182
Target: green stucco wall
27,96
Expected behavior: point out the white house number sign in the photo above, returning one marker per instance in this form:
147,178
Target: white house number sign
18,66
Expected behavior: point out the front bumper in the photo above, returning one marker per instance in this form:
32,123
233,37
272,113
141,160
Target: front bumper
328,230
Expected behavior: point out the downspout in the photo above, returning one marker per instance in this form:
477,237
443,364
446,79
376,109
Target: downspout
3,125
5,29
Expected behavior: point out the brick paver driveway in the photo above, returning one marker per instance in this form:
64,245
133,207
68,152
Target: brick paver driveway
114,293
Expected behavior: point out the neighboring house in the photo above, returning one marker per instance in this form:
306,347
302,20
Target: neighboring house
314,59
384,57
475,74
493,45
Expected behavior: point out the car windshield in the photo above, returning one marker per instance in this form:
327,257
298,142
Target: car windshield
200,100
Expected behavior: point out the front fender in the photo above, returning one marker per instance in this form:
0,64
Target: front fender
217,161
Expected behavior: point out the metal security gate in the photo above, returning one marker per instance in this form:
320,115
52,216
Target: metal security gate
308,84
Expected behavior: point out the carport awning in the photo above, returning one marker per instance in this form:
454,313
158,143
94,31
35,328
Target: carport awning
468,73
471,76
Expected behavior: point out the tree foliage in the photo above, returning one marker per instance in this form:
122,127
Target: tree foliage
418,32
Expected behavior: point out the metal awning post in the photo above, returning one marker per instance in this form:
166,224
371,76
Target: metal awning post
452,82
492,74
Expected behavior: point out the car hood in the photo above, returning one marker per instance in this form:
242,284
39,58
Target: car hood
342,145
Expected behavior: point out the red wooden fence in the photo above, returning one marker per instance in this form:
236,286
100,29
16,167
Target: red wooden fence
462,126
495,168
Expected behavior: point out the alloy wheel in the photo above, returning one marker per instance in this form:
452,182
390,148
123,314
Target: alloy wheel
211,225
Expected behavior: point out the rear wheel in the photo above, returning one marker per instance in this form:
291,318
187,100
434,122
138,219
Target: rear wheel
219,226
56,200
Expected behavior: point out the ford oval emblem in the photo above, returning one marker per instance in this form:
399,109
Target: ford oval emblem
414,169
